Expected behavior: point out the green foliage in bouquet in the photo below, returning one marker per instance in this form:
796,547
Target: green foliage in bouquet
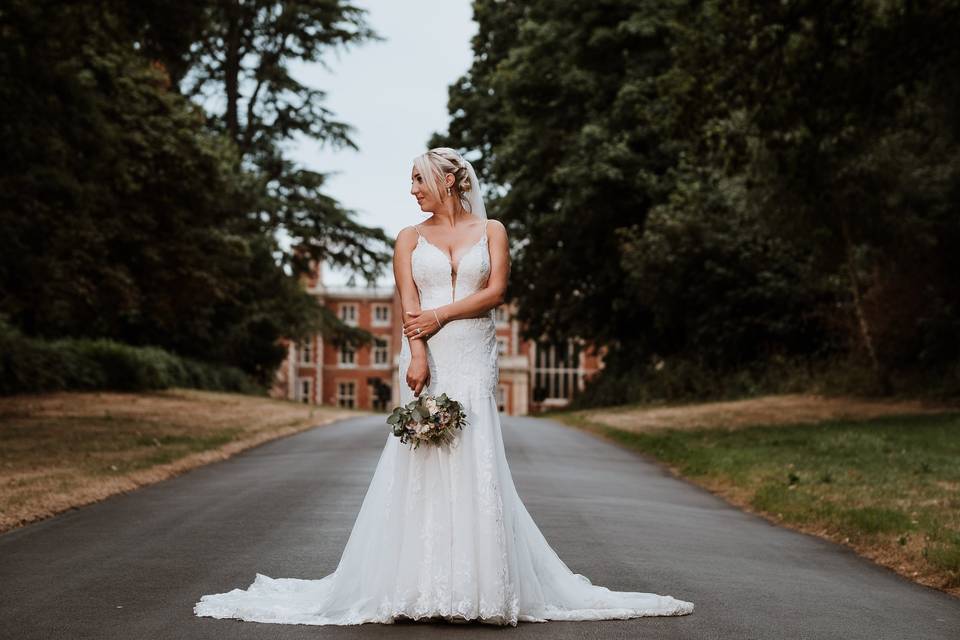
427,419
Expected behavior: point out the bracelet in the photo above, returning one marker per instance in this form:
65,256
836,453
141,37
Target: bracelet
437,317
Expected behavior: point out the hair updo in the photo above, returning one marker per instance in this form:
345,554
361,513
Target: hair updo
440,161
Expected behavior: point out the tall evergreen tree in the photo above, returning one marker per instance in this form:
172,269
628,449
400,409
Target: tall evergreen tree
239,68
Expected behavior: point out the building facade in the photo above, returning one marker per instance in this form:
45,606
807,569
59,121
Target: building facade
534,375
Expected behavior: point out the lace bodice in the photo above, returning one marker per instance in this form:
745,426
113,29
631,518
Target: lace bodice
440,280
462,355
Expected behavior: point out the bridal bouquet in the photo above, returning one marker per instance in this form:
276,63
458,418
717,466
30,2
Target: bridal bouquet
427,419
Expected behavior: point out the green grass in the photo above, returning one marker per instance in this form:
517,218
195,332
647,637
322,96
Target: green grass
150,450
887,481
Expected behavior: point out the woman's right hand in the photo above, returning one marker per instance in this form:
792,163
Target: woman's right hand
418,374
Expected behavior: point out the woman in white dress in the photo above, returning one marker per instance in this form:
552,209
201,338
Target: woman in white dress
441,532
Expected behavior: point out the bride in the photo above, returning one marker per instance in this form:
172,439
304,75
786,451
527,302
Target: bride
442,533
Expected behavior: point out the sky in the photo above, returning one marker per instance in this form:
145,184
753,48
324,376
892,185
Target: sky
394,94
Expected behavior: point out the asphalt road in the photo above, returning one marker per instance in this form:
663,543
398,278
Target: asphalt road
132,566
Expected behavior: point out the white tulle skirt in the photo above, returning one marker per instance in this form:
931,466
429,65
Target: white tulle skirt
441,533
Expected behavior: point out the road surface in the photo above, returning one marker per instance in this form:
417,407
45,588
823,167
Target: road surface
132,566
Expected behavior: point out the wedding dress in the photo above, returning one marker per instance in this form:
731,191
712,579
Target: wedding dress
442,532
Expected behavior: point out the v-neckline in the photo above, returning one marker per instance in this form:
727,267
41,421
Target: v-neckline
454,269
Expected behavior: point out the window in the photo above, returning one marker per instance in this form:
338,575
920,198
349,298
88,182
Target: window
306,351
502,346
304,387
381,315
348,313
348,356
381,352
347,394
500,315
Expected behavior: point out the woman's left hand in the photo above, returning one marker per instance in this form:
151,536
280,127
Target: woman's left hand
423,320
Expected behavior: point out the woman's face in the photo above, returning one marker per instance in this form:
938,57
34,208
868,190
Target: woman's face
418,187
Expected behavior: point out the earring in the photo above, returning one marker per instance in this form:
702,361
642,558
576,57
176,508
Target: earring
448,192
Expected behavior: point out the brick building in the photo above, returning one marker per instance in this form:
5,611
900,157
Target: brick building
534,375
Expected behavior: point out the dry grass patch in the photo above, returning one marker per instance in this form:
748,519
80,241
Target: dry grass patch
794,408
63,450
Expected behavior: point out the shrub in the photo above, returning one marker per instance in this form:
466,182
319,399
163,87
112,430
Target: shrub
34,365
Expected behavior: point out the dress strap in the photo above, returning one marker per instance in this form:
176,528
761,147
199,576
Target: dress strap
417,229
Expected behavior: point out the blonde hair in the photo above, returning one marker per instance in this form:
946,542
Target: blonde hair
437,163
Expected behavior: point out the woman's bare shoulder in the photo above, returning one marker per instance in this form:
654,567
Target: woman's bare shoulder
495,227
407,235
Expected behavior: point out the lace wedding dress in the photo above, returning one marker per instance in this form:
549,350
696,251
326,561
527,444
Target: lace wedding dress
442,532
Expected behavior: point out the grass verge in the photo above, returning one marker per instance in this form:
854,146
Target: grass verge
67,449
887,487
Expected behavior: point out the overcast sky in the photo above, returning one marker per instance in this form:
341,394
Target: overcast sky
394,93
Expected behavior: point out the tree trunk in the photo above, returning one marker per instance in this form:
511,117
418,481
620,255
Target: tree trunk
232,69
883,379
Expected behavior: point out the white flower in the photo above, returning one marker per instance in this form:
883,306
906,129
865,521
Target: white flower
431,406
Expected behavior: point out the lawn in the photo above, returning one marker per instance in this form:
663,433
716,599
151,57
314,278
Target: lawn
888,487
63,450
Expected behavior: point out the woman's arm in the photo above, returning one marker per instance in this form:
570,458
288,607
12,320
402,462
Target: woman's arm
403,275
477,303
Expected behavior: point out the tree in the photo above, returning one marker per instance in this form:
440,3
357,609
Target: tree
722,288
241,58
110,182
554,100
841,118
675,172
124,215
